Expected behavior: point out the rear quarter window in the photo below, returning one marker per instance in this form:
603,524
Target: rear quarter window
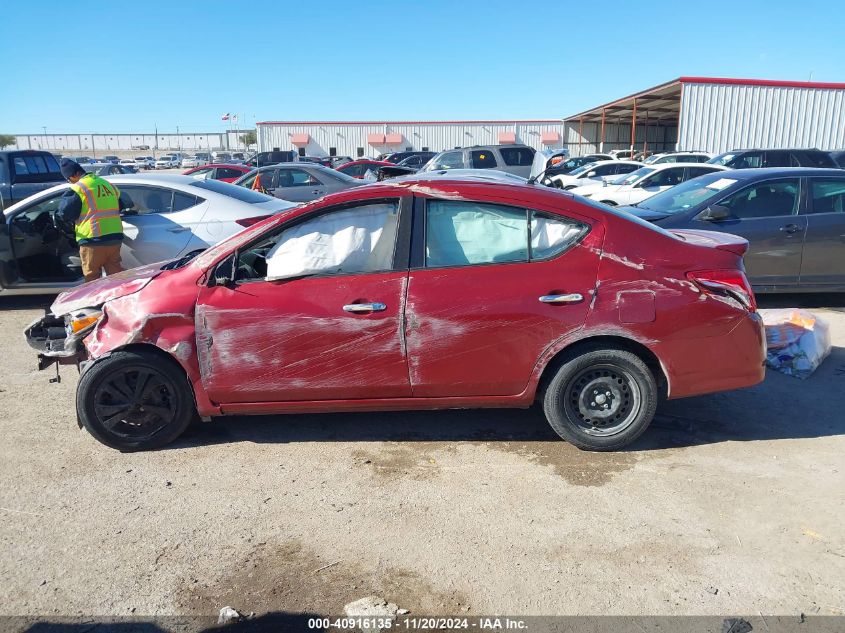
517,156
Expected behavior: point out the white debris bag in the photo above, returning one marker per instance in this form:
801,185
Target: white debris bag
797,341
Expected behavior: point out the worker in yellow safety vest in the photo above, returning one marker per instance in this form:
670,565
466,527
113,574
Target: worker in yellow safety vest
92,206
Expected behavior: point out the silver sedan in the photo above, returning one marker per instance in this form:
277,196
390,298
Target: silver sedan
299,182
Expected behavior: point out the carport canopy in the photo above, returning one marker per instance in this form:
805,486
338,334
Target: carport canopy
655,106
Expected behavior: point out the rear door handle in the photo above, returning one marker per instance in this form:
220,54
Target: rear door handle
570,298
790,228
364,307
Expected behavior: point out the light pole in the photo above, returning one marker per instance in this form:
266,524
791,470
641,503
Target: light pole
44,127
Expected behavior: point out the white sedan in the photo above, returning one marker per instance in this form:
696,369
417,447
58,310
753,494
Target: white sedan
643,183
164,217
599,170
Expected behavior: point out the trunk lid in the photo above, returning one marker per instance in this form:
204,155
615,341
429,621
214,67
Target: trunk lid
713,239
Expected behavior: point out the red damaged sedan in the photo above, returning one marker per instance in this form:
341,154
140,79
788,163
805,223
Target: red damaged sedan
430,293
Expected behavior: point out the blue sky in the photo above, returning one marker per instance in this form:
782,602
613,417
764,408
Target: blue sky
131,66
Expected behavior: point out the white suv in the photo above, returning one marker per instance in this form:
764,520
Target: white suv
167,162
643,183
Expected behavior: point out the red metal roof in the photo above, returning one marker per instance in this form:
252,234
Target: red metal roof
762,82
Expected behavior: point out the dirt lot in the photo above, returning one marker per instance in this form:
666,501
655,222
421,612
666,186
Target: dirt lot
731,503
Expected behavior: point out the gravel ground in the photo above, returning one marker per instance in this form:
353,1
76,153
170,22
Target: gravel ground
731,503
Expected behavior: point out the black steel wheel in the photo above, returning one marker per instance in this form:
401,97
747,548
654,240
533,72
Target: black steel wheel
135,400
601,399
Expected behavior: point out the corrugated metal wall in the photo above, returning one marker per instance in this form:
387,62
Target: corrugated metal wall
720,117
103,143
586,139
347,138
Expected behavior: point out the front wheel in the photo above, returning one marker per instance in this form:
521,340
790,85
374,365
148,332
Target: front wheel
135,401
602,399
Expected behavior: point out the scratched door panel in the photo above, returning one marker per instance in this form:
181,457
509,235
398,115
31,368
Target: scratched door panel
480,329
291,340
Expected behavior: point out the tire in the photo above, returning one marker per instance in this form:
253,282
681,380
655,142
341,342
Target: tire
117,413
601,399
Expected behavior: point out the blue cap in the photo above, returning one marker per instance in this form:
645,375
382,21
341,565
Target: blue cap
70,168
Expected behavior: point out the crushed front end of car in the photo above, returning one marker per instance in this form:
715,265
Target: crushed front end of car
58,339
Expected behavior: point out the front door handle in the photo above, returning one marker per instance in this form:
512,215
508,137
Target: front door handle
790,228
317,192
179,229
570,298
364,307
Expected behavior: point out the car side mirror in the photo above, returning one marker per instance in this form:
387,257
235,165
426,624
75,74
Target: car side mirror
591,174
714,213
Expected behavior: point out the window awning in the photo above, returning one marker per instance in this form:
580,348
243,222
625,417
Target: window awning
375,139
300,140
549,138
507,137
394,139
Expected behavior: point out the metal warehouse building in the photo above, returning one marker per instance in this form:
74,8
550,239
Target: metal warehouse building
370,138
689,113
714,115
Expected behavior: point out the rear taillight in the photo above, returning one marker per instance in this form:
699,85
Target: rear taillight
250,221
732,283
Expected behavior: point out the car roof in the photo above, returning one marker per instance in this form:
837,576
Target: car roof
774,149
659,166
766,172
618,162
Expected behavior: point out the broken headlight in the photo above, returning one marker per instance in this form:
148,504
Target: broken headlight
81,320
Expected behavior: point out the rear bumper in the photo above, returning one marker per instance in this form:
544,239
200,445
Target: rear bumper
721,363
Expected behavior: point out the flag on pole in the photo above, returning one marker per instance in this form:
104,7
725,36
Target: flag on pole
225,117
235,118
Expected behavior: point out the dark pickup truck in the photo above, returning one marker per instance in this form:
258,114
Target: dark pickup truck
25,172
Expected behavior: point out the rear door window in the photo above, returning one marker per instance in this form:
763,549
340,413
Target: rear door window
143,199
828,195
780,159
299,178
517,156
483,159
228,172
449,160
694,172
764,200
461,233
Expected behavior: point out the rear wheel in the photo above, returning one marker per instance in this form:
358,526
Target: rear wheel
135,401
602,399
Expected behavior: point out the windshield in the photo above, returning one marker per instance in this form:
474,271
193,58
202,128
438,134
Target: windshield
580,170
688,194
233,191
722,159
634,176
